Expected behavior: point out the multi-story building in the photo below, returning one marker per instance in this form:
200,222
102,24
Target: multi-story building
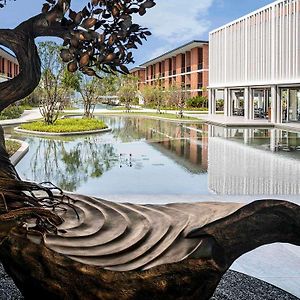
255,63
185,66
9,66
140,73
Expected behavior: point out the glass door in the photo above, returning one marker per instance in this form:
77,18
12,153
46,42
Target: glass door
294,105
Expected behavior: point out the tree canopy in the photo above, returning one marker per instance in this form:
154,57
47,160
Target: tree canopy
99,38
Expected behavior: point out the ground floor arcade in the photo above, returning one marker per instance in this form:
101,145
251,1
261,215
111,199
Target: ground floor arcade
277,104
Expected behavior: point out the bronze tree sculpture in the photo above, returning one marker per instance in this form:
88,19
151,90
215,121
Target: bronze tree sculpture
65,246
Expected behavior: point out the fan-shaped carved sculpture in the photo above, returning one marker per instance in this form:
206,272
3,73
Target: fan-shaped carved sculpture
129,251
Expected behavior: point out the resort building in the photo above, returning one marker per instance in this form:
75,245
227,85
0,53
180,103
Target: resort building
185,66
255,64
9,66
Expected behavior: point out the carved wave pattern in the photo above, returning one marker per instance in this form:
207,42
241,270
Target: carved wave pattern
125,237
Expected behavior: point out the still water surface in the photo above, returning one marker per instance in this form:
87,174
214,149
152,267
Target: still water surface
145,156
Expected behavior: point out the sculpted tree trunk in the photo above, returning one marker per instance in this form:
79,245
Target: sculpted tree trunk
99,37
64,246
90,44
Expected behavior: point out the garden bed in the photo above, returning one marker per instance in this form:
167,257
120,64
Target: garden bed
66,126
12,146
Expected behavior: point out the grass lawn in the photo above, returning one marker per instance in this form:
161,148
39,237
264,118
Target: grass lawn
157,115
202,112
12,147
124,108
66,125
176,108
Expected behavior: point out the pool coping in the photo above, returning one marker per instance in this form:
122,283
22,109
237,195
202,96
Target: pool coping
20,153
42,133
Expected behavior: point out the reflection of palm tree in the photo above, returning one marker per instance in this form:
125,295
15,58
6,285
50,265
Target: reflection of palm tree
68,165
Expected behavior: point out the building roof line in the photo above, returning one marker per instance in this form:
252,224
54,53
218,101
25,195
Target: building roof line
173,50
7,52
244,17
136,69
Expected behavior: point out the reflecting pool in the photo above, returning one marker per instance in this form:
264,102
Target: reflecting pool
146,156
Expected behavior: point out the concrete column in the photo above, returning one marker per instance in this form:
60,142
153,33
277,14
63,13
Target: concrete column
288,106
274,100
279,106
225,132
226,102
213,101
273,145
210,105
251,104
246,136
211,131
230,103
246,103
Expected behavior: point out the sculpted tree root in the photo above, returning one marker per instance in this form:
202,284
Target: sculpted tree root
128,251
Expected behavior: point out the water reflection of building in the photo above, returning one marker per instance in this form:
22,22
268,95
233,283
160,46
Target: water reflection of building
241,163
185,144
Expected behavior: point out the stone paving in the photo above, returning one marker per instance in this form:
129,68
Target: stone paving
27,116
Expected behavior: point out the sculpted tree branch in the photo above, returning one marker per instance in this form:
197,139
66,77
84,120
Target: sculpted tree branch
65,246
97,38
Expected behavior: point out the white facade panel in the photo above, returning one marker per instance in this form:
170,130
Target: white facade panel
261,48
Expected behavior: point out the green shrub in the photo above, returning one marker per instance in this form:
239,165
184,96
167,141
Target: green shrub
220,105
198,101
12,112
26,106
12,147
66,125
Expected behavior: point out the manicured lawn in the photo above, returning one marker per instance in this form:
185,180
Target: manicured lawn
176,108
157,115
202,112
123,108
12,147
66,125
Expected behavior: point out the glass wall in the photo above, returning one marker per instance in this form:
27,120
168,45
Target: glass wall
294,105
262,103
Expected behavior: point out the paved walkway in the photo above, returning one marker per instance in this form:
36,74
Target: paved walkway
27,116
234,121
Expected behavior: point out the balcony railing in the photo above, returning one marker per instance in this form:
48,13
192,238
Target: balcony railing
188,69
183,70
174,72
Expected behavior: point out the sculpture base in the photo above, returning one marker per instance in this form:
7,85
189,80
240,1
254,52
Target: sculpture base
234,285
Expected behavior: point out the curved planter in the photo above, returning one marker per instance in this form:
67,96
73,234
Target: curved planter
20,153
40,133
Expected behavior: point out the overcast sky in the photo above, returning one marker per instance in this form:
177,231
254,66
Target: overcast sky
172,22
